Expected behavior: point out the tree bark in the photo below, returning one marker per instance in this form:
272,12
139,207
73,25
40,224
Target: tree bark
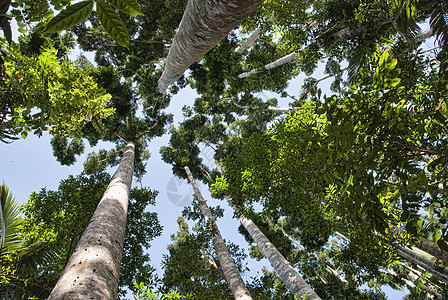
425,245
426,264
204,24
432,249
293,281
289,58
233,278
252,37
94,268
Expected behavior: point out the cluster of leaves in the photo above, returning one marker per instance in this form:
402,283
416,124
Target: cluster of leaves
109,19
304,170
41,93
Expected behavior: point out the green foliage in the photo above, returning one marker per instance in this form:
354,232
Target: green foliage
130,7
42,94
58,218
145,293
10,221
112,23
191,266
69,17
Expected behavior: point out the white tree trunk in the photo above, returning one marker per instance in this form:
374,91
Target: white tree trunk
233,278
204,24
93,270
432,249
428,265
292,56
293,281
252,38
425,245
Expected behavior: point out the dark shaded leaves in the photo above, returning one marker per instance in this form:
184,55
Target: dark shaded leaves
70,16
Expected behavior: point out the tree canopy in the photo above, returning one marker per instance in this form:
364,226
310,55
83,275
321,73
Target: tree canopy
347,182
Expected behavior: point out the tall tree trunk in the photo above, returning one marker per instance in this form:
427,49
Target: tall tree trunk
252,37
426,245
432,249
289,58
426,264
204,24
293,281
233,278
94,268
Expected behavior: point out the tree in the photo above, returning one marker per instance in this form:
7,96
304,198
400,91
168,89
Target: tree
272,176
231,273
94,267
55,220
18,255
10,239
283,268
37,89
191,266
202,27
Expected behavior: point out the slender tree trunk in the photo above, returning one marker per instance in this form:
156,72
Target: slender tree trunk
233,278
427,246
289,58
280,110
426,264
204,24
252,37
293,281
94,268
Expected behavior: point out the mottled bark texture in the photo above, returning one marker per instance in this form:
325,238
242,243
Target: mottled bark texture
204,24
432,249
94,268
233,278
293,281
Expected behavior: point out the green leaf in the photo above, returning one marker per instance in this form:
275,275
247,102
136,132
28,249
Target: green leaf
328,178
384,57
70,16
112,23
24,134
10,222
7,31
4,6
442,244
404,216
130,7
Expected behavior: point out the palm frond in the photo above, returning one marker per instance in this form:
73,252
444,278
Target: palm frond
439,26
33,255
10,221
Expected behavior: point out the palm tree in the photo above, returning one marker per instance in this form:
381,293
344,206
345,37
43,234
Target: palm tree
94,267
236,283
203,25
19,257
10,237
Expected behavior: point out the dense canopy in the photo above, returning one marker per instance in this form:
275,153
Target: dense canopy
320,126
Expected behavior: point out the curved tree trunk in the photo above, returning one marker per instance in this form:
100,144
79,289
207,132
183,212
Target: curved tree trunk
204,24
93,270
293,281
233,278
